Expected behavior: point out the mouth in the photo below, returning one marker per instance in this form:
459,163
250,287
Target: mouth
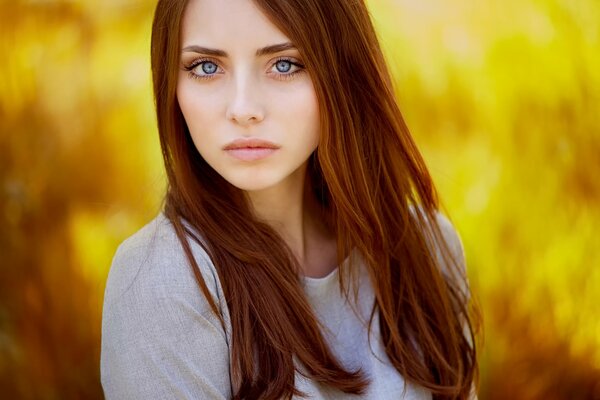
250,149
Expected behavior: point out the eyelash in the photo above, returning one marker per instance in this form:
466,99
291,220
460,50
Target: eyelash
281,76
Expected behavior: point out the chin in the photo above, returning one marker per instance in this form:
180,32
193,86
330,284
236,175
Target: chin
251,187
263,178
253,184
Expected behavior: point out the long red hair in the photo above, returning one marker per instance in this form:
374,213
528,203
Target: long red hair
368,177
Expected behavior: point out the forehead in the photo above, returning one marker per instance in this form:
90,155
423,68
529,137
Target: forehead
228,24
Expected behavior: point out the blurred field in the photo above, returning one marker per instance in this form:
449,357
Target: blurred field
502,97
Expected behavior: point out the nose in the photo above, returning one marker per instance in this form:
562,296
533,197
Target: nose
245,106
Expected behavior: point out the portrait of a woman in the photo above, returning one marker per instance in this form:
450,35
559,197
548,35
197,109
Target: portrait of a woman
301,251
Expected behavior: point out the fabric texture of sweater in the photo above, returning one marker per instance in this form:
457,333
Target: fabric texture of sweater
161,340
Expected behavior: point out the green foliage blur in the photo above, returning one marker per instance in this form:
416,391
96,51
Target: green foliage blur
503,99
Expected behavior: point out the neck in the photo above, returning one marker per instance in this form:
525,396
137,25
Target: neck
292,211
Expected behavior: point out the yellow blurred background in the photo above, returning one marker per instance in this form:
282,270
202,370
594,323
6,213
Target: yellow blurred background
503,99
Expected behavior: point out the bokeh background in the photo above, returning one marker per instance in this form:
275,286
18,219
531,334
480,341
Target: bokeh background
503,98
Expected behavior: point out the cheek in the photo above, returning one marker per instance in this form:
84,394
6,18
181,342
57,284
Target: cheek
299,111
198,110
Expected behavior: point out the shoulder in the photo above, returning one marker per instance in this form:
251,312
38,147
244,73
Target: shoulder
150,271
152,305
445,243
153,259
439,223
451,236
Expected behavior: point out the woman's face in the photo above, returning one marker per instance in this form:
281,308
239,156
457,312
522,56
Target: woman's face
248,102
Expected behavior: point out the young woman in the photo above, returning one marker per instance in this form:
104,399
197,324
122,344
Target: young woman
300,251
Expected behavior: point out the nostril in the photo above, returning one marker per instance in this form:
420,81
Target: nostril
244,113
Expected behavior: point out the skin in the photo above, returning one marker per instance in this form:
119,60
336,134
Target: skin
240,94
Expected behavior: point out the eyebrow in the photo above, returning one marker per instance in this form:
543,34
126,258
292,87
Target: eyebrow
275,48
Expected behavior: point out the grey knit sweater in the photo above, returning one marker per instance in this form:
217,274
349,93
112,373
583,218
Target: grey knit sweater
160,339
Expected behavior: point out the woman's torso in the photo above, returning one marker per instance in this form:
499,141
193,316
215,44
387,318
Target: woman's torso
161,340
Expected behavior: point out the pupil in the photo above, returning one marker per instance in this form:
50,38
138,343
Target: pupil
283,66
209,67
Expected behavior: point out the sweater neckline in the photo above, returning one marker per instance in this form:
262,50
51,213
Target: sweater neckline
330,277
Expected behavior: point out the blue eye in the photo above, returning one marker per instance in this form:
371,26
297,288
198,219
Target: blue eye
202,69
283,66
208,67
286,69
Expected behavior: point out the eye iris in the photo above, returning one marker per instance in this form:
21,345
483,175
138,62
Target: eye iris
209,68
283,66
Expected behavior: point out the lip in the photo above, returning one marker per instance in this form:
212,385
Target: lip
250,149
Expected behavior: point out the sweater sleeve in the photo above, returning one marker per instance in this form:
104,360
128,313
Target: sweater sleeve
452,238
160,339
455,245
